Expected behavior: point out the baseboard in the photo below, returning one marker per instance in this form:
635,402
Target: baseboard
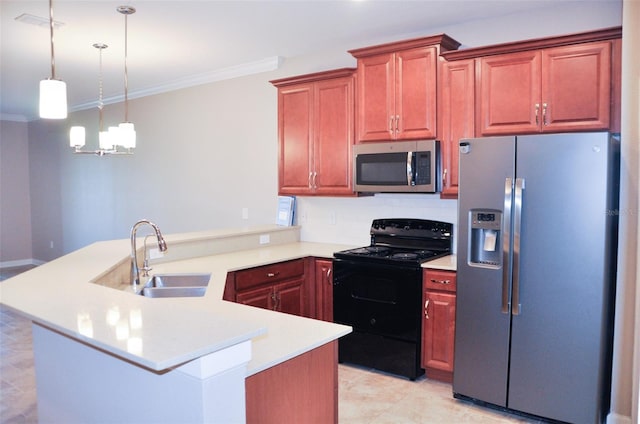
21,262
614,418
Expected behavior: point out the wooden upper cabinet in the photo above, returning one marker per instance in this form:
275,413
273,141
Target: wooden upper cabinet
554,84
576,87
316,133
376,98
295,122
415,105
396,97
334,136
456,117
509,90
551,90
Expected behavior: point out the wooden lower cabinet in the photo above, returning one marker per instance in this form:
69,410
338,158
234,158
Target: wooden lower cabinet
438,323
303,389
282,287
324,289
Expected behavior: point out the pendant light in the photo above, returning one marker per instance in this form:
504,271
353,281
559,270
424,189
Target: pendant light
108,142
126,130
53,92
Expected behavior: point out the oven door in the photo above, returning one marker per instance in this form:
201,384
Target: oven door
383,305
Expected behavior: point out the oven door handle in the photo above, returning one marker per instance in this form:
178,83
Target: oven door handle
368,299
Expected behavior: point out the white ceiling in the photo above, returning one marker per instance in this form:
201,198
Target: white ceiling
179,43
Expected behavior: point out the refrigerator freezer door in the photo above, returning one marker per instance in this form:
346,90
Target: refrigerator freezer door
559,337
482,329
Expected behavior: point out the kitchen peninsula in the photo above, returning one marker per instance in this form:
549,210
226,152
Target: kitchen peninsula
105,353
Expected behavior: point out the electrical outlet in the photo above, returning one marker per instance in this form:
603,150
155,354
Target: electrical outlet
245,213
265,239
51,244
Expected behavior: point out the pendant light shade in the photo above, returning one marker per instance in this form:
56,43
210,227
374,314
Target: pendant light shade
77,137
53,92
127,135
53,99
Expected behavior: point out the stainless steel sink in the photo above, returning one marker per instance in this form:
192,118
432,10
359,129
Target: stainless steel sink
176,285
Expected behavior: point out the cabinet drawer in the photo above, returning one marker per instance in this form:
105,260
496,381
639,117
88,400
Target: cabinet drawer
268,274
434,279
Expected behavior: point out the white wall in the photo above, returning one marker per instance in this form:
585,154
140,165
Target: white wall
15,205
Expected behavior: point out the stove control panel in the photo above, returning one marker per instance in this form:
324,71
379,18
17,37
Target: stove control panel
411,228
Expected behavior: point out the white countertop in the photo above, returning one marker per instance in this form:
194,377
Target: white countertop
161,333
447,263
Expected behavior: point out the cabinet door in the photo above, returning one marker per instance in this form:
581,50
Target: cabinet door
509,92
334,133
415,100
376,96
262,297
324,289
456,111
289,297
294,139
576,87
438,330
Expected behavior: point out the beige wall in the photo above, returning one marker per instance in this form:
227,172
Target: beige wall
15,205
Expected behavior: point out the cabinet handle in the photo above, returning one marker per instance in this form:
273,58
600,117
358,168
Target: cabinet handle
440,281
329,276
537,111
397,123
315,176
309,179
426,309
272,274
391,124
544,114
444,178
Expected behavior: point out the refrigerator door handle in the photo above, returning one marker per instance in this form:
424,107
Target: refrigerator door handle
517,224
506,242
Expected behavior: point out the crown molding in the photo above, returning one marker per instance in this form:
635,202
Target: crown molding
236,71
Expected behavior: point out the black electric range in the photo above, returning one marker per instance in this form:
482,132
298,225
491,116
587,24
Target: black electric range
408,242
377,290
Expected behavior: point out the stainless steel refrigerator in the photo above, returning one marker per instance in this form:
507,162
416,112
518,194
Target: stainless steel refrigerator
536,253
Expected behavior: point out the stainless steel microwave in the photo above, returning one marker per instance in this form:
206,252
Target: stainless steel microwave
397,167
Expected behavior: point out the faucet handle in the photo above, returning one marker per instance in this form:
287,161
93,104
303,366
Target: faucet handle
145,268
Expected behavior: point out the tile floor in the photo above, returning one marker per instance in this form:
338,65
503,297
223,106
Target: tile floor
365,396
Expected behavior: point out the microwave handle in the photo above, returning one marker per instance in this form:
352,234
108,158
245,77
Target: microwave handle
409,168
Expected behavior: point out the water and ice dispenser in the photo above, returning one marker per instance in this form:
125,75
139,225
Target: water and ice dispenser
485,238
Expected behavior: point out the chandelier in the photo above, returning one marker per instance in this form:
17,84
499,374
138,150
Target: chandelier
120,140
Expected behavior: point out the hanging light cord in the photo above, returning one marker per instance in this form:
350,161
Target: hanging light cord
53,60
126,74
100,90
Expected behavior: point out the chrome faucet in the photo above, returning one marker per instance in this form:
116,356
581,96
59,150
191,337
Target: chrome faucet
162,245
